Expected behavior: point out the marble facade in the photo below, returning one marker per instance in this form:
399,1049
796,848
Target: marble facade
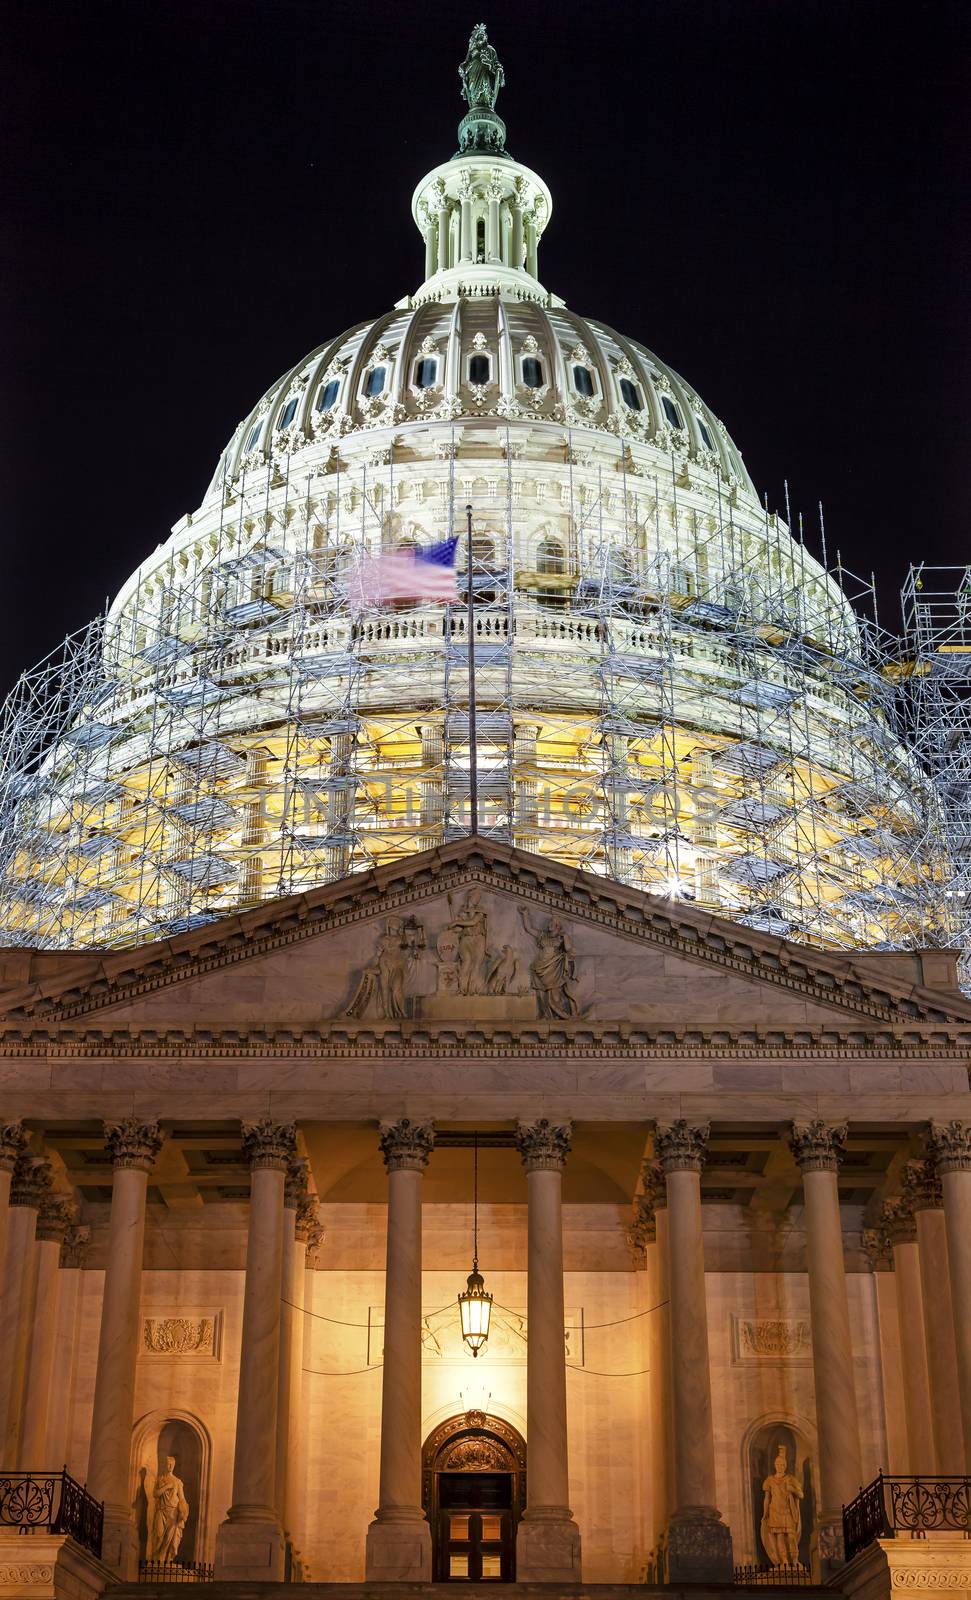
709,1079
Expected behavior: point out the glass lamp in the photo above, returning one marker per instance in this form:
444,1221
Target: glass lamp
475,1303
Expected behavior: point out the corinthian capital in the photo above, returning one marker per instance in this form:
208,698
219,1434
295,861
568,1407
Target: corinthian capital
817,1145
877,1249
310,1230
32,1180
897,1220
75,1246
681,1146
949,1143
922,1186
543,1145
406,1145
13,1139
133,1145
295,1183
642,1230
58,1213
269,1144
655,1188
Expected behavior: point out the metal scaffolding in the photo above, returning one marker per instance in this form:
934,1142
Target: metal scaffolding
679,701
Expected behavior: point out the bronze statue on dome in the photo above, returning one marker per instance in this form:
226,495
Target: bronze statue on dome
481,72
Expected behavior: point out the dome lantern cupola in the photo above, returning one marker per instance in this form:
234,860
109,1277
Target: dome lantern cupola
481,214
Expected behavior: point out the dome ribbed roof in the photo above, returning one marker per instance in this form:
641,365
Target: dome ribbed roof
418,365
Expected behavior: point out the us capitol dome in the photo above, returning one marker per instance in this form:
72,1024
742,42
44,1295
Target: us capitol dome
669,689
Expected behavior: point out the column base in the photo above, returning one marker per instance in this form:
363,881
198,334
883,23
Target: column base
548,1546
119,1543
399,1548
251,1550
699,1547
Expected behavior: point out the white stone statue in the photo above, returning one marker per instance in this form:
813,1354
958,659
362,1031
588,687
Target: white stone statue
470,926
170,1512
384,980
781,1513
553,968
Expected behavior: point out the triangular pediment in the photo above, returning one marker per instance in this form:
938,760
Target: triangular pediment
473,933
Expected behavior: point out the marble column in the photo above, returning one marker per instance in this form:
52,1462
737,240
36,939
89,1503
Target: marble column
923,1192
818,1148
650,1220
661,1346
13,1141
30,1185
901,1230
250,1545
132,1146
291,1329
699,1544
548,1539
951,1144
61,1442
308,1234
57,1214
399,1544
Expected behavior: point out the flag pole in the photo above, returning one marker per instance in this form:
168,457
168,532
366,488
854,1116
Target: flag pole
469,626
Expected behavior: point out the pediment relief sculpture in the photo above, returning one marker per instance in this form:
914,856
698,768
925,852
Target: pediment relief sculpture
466,967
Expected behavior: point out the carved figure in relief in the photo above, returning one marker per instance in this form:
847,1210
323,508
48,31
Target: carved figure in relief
170,1513
384,980
501,971
470,927
553,969
781,1513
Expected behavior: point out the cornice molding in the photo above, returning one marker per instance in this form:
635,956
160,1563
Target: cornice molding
344,1039
117,978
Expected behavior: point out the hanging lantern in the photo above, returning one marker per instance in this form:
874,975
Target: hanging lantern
475,1304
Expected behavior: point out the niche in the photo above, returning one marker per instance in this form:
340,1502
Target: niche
163,1436
764,1449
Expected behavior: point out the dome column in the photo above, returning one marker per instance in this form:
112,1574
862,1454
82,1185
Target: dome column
441,225
493,195
466,240
699,1545
548,1539
532,246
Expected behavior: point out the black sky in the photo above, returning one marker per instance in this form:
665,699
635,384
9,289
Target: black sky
768,193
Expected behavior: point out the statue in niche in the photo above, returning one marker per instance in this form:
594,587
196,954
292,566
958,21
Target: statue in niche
470,928
384,980
781,1524
170,1513
553,969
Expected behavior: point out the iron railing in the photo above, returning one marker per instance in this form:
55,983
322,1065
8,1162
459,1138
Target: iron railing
786,1576
917,1506
53,1501
175,1572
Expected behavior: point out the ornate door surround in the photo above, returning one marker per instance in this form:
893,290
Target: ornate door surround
475,1442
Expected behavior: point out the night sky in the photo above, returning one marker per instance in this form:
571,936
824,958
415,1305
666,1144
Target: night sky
768,193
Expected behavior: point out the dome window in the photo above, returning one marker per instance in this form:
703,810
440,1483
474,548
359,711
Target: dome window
426,372
287,414
532,372
583,382
550,558
254,434
375,381
706,437
479,369
671,412
328,395
630,395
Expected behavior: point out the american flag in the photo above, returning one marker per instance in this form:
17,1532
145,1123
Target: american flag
415,574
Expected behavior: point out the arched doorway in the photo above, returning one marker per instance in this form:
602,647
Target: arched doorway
473,1485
